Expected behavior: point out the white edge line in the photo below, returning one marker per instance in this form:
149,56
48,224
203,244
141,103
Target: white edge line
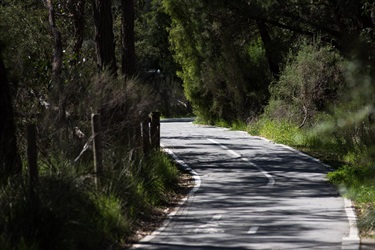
271,180
197,184
353,237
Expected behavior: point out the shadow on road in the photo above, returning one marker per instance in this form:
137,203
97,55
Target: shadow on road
235,208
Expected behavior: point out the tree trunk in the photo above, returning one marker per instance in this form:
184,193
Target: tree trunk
267,42
79,28
10,162
104,38
127,31
58,88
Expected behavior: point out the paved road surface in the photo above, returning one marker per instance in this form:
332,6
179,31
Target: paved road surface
253,194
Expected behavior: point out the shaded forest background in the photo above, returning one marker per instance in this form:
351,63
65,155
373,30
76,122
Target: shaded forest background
299,72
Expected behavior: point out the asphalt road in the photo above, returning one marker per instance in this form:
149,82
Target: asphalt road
250,194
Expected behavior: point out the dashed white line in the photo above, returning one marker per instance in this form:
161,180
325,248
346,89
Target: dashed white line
253,230
271,180
225,148
216,217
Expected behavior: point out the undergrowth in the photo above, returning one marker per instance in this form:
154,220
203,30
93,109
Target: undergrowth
66,211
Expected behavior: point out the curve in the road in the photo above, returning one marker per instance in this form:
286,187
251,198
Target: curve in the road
349,242
271,180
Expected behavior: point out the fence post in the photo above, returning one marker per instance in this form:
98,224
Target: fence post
32,155
155,130
145,133
97,148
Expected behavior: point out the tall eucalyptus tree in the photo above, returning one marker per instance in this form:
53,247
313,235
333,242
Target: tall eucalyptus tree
127,37
104,37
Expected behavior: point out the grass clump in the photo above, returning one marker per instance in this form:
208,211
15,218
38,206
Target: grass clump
280,131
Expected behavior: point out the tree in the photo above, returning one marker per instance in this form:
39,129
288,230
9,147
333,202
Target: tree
76,12
223,78
127,38
58,89
210,37
10,163
104,37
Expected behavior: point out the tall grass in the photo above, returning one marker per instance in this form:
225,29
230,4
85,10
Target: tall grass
280,131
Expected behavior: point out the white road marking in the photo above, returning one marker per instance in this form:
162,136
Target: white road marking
197,179
271,180
210,227
253,230
209,230
225,148
216,217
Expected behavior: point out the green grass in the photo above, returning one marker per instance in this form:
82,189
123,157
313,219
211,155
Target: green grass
278,131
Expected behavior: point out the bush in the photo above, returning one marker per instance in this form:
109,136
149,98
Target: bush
310,83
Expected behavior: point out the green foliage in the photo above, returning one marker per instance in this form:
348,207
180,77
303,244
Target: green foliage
281,131
357,183
152,44
112,220
155,177
310,83
220,78
25,35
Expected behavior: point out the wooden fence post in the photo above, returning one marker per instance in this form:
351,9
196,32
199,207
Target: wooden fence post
145,133
155,130
97,148
32,155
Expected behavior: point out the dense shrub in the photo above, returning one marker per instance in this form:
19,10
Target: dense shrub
310,84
